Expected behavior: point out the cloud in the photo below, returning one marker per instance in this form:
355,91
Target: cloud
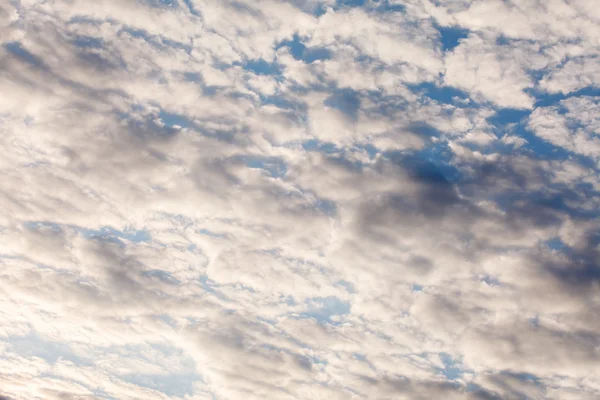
495,73
298,199
570,125
575,74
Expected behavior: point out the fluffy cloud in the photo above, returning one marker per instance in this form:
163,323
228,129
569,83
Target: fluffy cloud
573,124
298,199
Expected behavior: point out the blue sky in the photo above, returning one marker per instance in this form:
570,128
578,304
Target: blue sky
299,199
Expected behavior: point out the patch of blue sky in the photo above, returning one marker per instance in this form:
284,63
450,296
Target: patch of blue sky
34,346
82,19
452,368
319,10
325,206
534,146
211,234
544,99
491,281
179,219
425,131
107,232
323,147
135,108
300,52
206,283
556,244
362,358
389,6
514,122
242,287
273,166
502,40
261,67
544,150
371,150
174,120
505,116
190,6
535,321
556,201
169,3
268,321
451,36
305,360
163,276
141,351
525,377
195,77
416,288
174,384
97,392
172,123
106,239
284,103
345,100
339,155
9,256
35,164
535,75
139,33
162,3
347,286
288,300
382,6
324,308
297,111
351,3
431,164
17,50
207,90
587,189
211,287
443,94
385,104
176,45
275,252
166,319
101,394
316,360
471,387
37,225
155,40
88,42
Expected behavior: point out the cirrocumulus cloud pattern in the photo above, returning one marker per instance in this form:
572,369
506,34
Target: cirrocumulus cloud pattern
299,199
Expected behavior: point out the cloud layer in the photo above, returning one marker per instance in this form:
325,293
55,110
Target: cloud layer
299,199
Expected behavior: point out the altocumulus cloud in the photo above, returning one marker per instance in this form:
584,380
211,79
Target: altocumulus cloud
299,199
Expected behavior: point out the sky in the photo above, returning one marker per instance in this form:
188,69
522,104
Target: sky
299,199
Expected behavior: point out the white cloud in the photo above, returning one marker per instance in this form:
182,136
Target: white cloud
573,125
494,73
575,74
